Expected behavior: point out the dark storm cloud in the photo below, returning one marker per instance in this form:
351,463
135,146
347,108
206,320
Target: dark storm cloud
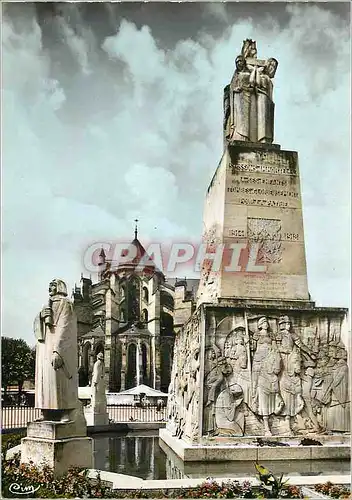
113,111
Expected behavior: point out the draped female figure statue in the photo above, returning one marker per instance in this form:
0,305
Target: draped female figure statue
265,109
241,103
248,100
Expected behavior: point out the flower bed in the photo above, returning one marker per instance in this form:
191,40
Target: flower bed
33,482
333,490
40,483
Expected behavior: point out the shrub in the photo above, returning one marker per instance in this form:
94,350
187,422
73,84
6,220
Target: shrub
10,440
76,484
73,484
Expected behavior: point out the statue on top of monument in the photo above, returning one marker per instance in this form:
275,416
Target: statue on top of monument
249,48
248,100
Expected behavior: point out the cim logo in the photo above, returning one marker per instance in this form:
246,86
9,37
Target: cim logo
19,489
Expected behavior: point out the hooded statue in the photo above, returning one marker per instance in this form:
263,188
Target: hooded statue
55,328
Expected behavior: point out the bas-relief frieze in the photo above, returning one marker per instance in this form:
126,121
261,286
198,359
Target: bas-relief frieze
275,376
184,389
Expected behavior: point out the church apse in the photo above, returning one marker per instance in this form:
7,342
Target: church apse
130,313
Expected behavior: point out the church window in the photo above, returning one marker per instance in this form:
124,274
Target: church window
133,299
145,294
145,316
122,315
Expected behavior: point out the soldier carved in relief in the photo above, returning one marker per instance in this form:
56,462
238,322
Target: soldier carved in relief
230,418
238,360
335,393
269,400
291,389
262,339
215,369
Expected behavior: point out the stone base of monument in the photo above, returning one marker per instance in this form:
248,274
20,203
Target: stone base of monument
60,445
246,449
94,418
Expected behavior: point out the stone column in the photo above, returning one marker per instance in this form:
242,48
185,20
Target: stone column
91,361
152,456
108,376
123,364
138,362
157,362
136,451
148,361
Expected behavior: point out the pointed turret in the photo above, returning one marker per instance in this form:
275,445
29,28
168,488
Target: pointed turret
102,258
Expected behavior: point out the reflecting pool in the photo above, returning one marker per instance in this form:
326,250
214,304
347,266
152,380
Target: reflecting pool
135,454
141,454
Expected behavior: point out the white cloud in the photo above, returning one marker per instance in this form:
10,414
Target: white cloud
134,130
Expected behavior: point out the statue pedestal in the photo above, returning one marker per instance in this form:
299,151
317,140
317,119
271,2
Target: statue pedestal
59,445
96,418
220,459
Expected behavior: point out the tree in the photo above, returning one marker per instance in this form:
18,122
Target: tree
18,362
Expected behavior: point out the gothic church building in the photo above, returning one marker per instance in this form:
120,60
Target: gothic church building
131,315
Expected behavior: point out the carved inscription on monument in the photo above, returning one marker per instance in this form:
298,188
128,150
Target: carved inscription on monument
263,181
253,286
261,169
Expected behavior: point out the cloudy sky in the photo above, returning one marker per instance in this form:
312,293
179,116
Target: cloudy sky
114,111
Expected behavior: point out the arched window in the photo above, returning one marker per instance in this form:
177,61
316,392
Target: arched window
145,316
83,372
98,348
166,324
131,379
167,300
122,315
165,365
145,294
133,299
145,365
85,357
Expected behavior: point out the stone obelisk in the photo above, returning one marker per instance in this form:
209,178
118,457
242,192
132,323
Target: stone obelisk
253,205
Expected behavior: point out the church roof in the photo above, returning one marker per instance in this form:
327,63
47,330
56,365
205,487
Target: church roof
140,250
191,284
97,332
140,253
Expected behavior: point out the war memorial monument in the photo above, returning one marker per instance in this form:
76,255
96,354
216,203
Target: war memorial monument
257,359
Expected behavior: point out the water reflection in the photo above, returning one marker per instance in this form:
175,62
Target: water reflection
141,454
134,454
101,453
